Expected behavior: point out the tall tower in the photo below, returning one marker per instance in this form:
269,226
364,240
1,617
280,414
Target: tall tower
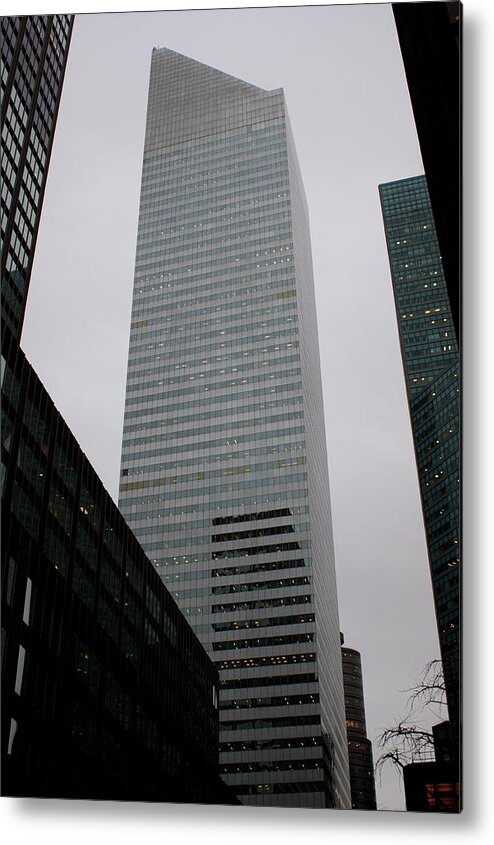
224,466
359,746
431,363
34,53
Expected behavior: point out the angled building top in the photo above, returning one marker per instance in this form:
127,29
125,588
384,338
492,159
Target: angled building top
198,100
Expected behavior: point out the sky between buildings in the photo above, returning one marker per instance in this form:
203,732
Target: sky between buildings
341,70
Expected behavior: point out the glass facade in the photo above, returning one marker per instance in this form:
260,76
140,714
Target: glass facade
431,362
430,38
34,53
359,747
224,468
106,691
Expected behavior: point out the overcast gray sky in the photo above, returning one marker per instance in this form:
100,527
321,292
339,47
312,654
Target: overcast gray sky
341,70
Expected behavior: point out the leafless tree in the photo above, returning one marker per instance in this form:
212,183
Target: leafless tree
408,742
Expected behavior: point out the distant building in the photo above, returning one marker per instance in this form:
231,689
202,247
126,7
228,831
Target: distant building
106,691
432,375
34,53
360,759
224,466
430,40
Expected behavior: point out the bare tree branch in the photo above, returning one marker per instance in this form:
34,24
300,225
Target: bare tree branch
408,742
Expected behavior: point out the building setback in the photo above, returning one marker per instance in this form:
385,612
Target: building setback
362,781
431,363
34,53
106,691
224,467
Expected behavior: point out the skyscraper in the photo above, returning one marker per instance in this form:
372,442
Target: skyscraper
224,467
430,43
359,746
34,53
431,363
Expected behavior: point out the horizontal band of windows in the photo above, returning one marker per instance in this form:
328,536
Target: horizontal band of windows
279,788
258,567
189,332
230,303
182,201
223,298
184,539
224,285
213,169
269,701
238,418
267,681
268,744
216,327
259,604
172,203
253,550
206,453
241,397
215,166
254,532
210,394
278,486
216,171
274,766
277,621
166,383
260,585
260,642
252,517
198,589
272,660
262,224
166,375
208,475
177,574
239,140
256,217
250,182
177,489
229,358
194,218
241,435
254,268
274,722
194,506
237,347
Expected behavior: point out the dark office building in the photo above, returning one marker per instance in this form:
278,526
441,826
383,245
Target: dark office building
431,788
33,56
431,363
360,760
106,691
430,42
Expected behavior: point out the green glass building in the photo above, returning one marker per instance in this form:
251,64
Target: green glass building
224,466
431,363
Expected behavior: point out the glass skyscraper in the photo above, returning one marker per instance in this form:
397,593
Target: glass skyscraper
34,53
224,467
431,363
